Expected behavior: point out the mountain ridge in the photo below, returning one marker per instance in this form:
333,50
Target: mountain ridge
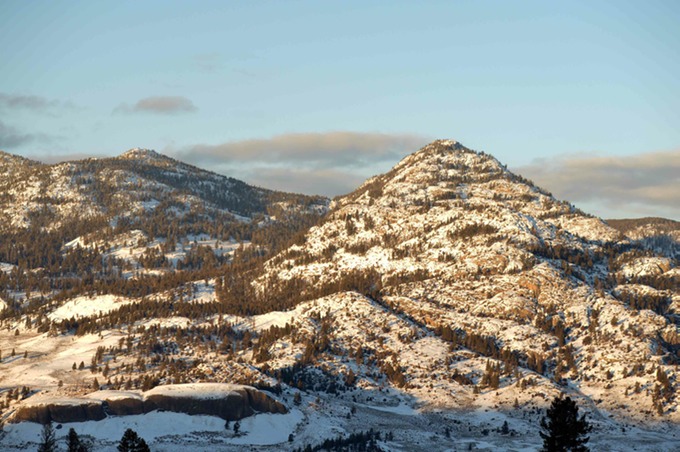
443,288
86,185
450,237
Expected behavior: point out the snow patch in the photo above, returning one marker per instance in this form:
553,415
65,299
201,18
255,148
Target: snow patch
86,306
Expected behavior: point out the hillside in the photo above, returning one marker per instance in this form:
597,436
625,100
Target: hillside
639,227
657,234
99,224
435,303
484,263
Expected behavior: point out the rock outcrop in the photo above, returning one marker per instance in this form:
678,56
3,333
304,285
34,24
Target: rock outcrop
68,410
230,402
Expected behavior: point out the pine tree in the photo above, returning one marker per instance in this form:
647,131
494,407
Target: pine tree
562,429
131,442
74,443
48,441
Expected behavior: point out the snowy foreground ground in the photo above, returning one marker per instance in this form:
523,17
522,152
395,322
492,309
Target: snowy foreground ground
318,419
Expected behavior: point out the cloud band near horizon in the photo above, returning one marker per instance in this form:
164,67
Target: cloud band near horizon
340,149
646,182
330,163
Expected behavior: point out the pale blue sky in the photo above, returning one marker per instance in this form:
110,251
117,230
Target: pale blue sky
521,80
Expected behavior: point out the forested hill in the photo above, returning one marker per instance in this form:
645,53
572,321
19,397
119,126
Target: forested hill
88,225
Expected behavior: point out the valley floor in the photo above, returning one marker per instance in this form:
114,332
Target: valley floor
320,418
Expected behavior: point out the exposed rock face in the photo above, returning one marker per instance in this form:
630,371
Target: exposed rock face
88,410
235,405
230,402
263,403
124,406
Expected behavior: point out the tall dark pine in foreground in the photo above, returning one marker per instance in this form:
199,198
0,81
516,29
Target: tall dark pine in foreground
74,443
562,429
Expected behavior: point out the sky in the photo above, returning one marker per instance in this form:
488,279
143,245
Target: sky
582,97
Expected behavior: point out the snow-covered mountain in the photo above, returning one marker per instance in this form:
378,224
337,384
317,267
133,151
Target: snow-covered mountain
76,226
494,270
136,184
434,303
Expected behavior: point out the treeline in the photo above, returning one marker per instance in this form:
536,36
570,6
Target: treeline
142,310
239,296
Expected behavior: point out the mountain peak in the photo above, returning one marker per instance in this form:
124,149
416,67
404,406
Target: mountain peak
445,142
445,145
143,154
447,152
440,166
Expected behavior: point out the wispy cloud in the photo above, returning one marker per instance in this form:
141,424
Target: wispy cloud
163,105
330,163
642,182
208,62
11,137
35,104
240,64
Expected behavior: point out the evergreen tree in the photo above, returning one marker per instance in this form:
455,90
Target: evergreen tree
48,441
75,444
131,442
562,429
